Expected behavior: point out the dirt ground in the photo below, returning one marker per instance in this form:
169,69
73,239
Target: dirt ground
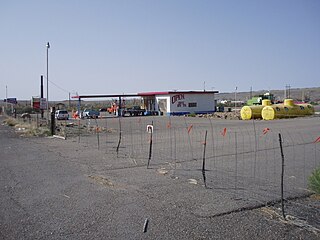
56,188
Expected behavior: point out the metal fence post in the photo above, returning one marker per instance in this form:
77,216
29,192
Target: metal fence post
53,123
282,175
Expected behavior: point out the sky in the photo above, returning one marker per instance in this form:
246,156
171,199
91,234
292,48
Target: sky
131,46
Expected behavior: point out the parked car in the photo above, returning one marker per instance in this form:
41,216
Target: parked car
62,115
89,113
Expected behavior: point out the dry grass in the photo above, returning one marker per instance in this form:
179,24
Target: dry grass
27,129
11,122
315,197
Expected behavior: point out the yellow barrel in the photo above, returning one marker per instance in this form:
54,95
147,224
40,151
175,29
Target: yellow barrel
286,110
288,102
253,112
249,112
307,108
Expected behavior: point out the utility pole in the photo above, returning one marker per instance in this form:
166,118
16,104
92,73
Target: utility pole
235,99
41,94
48,46
287,91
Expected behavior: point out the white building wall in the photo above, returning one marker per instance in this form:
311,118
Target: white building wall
185,103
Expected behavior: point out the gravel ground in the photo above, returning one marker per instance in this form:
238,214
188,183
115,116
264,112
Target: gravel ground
61,189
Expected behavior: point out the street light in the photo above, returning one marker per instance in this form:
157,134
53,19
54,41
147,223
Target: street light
48,46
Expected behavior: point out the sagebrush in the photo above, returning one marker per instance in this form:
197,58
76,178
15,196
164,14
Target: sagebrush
314,180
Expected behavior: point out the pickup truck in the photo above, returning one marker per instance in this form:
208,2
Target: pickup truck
134,111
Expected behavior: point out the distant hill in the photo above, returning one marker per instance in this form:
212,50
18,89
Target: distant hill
297,94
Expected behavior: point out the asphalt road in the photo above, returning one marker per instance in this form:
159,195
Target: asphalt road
54,189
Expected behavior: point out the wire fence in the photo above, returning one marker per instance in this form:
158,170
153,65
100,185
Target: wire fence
242,158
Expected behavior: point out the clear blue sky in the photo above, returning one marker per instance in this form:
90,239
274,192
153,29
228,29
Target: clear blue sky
110,47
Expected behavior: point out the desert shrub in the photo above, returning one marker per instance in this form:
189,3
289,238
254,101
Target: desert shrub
38,132
314,180
27,129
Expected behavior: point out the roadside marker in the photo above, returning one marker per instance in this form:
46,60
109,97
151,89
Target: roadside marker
265,131
224,132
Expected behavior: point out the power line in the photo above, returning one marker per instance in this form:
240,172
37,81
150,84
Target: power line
56,85
59,87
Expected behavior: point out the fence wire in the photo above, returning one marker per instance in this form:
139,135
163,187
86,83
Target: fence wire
239,157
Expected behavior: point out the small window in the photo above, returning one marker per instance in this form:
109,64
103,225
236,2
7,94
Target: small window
194,104
285,108
302,107
278,109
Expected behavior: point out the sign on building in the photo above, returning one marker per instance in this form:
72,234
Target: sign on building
43,103
39,103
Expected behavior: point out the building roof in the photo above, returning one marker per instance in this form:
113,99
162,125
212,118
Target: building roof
144,94
106,96
175,92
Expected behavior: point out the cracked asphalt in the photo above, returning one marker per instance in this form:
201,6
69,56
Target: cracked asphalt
49,189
